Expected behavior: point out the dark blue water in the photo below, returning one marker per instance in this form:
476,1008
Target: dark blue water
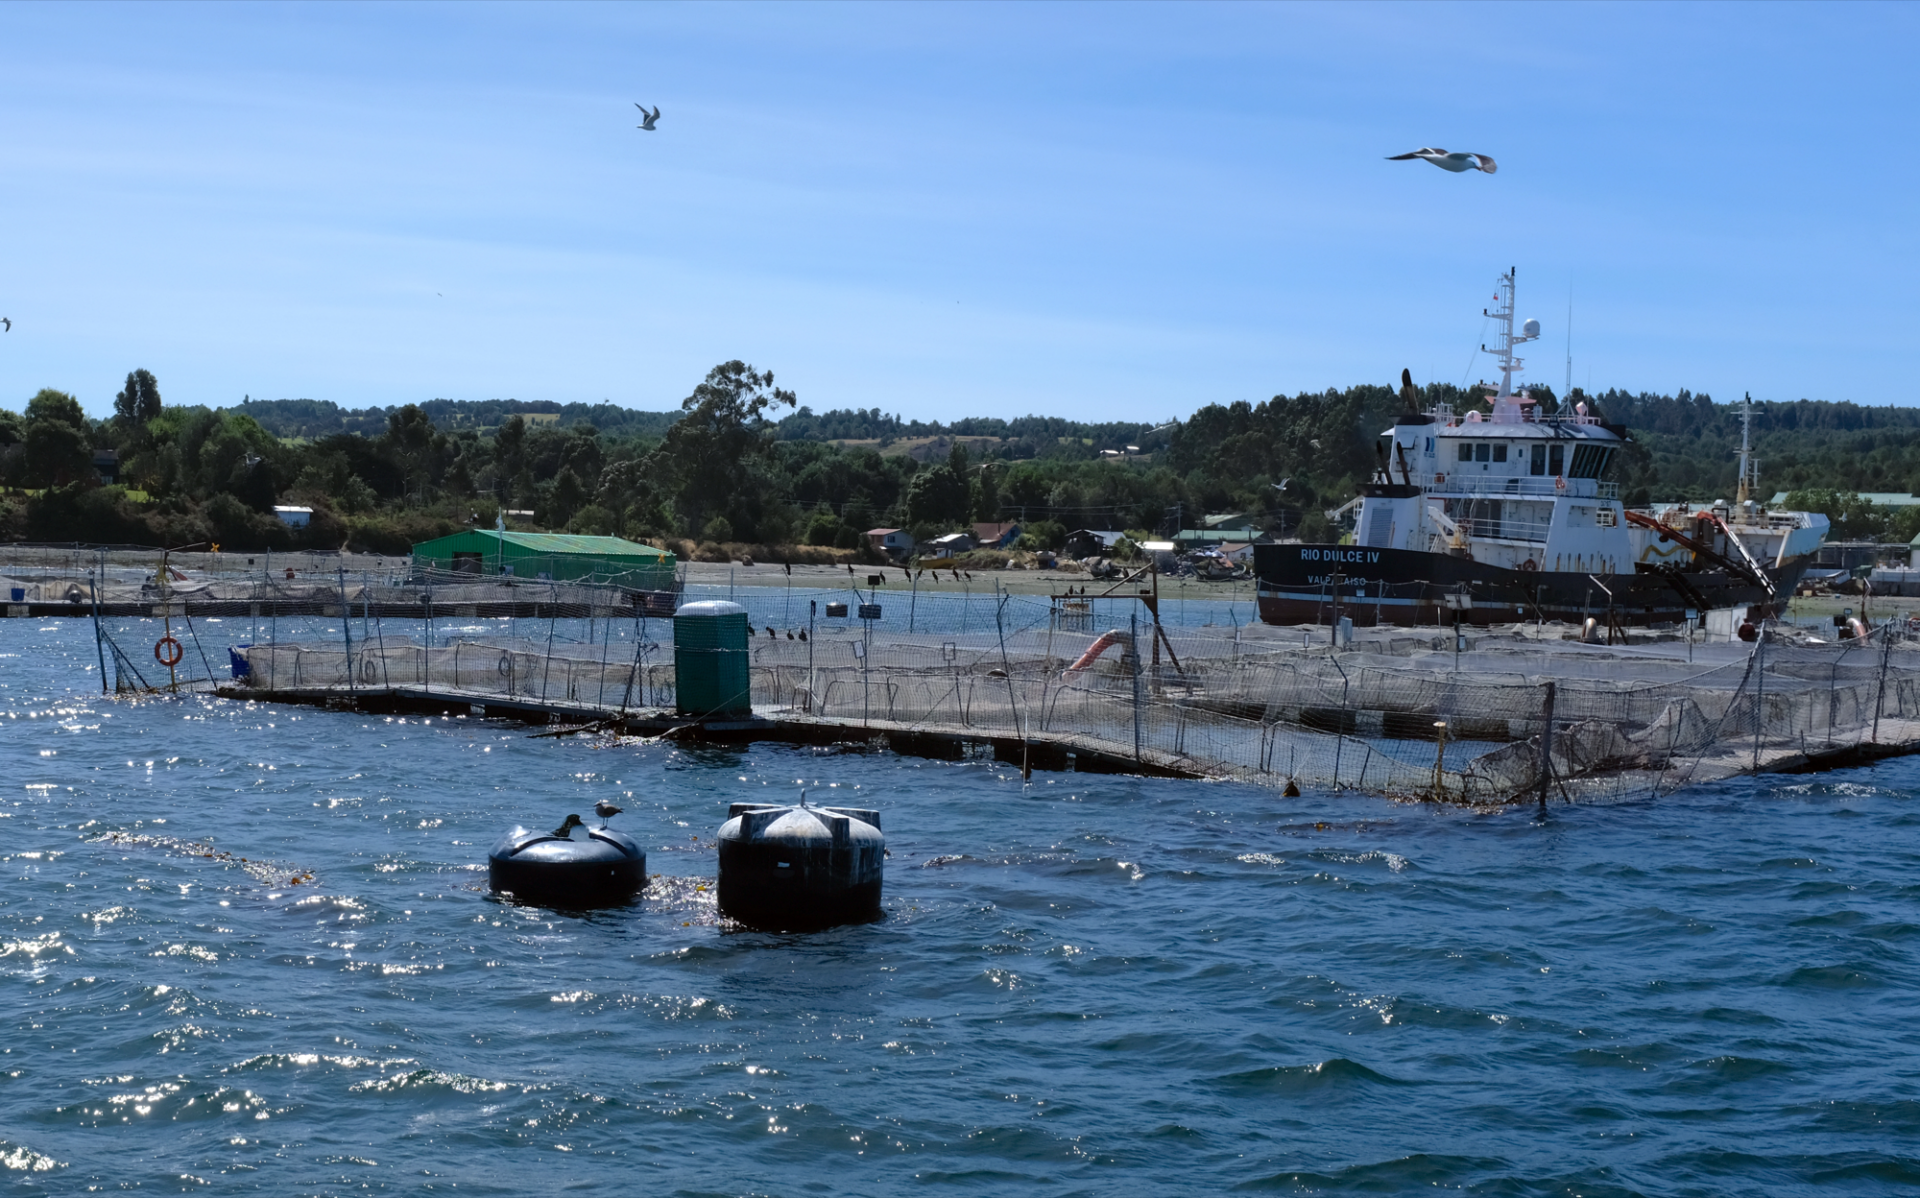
1089,985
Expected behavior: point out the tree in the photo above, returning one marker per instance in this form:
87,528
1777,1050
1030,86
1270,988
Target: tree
410,439
937,496
986,494
716,459
510,446
569,496
57,440
140,401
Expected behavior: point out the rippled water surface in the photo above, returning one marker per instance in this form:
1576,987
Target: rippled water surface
250,948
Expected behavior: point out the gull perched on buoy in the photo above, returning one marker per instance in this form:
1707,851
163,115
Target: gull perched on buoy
653,116
606,811
1455,162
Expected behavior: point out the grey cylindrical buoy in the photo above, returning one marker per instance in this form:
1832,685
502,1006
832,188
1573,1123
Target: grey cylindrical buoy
603,869
795,869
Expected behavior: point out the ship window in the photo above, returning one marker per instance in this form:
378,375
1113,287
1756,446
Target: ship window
1539,459
1588,460
1500,451
1556,459
1482,452
1466,451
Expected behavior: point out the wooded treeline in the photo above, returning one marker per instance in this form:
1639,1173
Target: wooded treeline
742,461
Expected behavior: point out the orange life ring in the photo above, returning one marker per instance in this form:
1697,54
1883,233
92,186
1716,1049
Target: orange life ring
1529,565
168,652
1560,482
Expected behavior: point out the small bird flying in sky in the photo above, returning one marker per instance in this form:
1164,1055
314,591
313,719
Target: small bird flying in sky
653,116
1455,162
7,323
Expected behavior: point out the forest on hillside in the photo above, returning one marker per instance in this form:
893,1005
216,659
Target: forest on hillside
742,460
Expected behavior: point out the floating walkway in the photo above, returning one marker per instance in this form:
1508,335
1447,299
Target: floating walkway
1517,715
1039,752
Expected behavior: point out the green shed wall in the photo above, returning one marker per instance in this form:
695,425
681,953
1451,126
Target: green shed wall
639,570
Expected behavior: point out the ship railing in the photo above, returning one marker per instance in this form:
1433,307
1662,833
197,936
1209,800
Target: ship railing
1529,414
1506,530
1518,485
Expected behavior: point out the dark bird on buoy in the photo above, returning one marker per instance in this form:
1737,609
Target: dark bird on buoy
789,634
771,634
789,566
606,811
565,830
849,569
1456,162
803,634
651,117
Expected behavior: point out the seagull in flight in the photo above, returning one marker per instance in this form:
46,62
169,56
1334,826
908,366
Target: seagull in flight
1455,162
7,323
653,116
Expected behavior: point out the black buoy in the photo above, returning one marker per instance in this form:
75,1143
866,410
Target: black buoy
796,869
556,870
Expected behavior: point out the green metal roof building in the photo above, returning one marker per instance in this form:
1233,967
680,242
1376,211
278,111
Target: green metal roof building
543,556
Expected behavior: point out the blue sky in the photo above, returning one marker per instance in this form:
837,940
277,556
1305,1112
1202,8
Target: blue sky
1093,211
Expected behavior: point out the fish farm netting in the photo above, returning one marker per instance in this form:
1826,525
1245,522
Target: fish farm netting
1273,706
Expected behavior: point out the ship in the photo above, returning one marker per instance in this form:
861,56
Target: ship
1509,515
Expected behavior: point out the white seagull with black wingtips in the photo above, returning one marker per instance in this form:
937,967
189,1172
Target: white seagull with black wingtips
1455,162
651,117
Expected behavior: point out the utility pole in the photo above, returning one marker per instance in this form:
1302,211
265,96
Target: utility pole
1546,748
1133,648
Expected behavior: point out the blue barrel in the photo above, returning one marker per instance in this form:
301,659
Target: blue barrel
710,659
242,668
602,869
798,869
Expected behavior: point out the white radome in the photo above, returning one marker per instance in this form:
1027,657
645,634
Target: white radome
1530,329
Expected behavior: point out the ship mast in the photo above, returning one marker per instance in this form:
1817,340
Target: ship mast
1509,365
1749,465
1508,339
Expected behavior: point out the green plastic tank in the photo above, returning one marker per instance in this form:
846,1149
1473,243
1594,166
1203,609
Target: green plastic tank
710,659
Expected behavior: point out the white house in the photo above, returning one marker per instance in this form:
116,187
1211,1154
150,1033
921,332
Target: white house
947,546
895,542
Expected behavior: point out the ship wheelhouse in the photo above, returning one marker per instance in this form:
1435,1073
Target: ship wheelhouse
1517,489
